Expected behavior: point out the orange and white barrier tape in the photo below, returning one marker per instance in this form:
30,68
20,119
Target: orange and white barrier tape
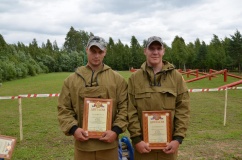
212,89
9,97
57,94
39,95
30,96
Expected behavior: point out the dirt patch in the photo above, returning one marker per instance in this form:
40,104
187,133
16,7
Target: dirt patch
210,150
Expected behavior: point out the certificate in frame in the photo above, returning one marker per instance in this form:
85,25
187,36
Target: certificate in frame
97,116
157,128
7,145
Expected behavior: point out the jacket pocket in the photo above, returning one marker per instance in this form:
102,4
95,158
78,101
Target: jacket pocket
142,95
169,100
142,101
94,92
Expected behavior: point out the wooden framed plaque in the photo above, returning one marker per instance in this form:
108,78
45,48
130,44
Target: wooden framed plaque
7,145
97,116
157,128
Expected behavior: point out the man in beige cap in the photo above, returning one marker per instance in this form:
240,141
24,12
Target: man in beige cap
95,80
157,86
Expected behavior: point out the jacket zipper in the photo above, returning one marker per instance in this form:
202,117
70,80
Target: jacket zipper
92,77
154,79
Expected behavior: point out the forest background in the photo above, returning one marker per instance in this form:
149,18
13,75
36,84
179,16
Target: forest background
19,60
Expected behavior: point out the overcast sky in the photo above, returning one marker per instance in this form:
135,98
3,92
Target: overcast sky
24,20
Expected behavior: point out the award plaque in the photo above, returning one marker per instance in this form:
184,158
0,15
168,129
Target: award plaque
97,116
157,128
7,145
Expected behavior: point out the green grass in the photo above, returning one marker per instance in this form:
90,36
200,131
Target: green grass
207,137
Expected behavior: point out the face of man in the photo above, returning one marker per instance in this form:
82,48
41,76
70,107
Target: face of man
95,57
154,54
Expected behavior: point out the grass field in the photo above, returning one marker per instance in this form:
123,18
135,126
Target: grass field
207,137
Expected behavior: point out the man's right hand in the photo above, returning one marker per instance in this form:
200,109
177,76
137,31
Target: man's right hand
142,147
81,135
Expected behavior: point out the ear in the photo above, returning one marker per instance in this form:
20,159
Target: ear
105,51
163,51
145,49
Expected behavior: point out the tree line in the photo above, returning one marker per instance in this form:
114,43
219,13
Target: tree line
20,60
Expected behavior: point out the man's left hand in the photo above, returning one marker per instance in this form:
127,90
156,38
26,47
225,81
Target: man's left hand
108,136
172,147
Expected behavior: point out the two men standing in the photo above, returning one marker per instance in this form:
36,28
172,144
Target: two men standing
156,86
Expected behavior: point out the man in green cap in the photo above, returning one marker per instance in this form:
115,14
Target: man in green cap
95,80
157,86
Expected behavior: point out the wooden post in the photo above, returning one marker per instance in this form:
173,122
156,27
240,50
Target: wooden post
20,118
225,75
210,72
188,73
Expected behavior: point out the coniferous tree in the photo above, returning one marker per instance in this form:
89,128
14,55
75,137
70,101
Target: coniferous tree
126,58
3,44
197,45
137,53
55,46
119,47
110,55
235,49
216,57
226,43
180,52
49,47
201,57
34,49
191,56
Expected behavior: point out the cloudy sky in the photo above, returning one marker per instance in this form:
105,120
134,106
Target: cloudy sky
24,20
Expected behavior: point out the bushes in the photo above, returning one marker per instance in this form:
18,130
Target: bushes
22,70
67,62
8,71
22,64
19,61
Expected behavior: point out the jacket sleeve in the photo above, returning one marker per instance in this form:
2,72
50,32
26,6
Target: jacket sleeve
182,110
121,120
66,113
134,126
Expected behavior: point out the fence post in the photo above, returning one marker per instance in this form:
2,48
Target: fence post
225,105
20,118
210,72
225,75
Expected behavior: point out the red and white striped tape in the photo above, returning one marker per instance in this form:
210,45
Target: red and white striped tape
212,89
30,96
39,95
9,97
57,94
